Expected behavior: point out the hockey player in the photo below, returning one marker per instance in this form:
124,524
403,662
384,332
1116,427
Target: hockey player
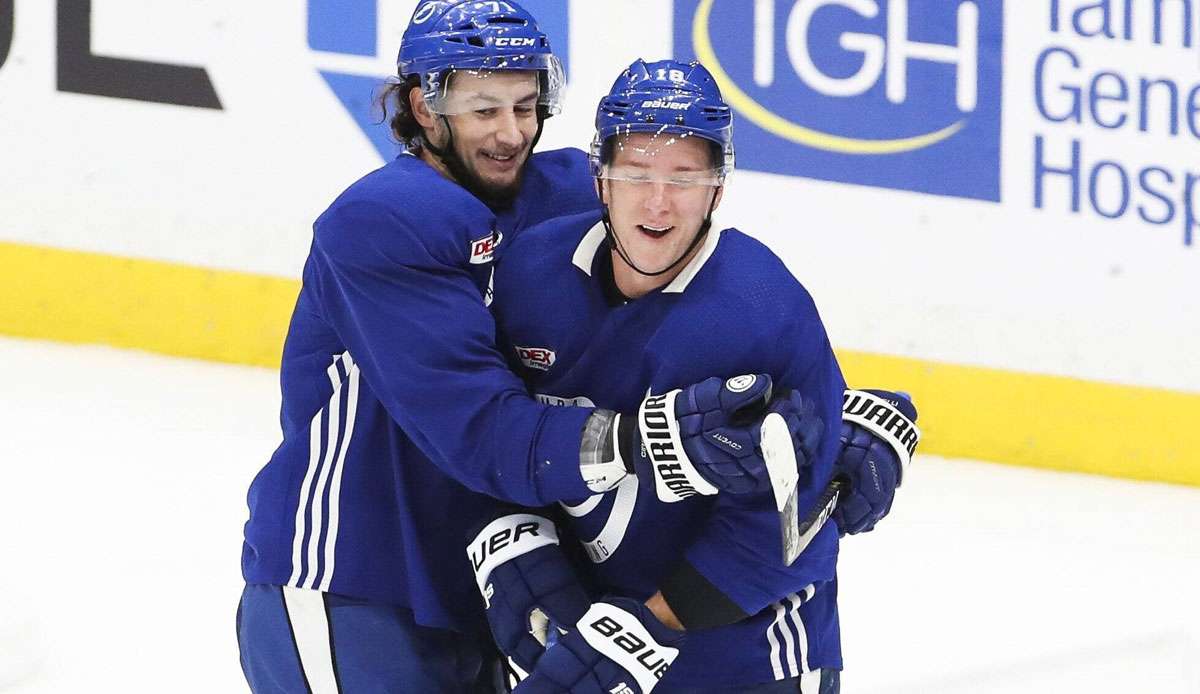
641,297
399,414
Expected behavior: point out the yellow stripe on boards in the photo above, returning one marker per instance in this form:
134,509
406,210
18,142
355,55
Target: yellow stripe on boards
1043,421
162,307
966,411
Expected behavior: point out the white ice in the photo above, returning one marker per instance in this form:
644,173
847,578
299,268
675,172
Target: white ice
122,498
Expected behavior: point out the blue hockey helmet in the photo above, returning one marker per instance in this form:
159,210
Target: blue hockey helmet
480,37
667,97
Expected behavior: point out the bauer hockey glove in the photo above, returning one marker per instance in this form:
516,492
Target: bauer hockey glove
618,647
879,436
525,578
702,439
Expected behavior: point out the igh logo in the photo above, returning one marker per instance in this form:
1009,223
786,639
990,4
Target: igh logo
893,93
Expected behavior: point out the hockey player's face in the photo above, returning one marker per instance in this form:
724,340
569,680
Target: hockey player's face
659,189
494,136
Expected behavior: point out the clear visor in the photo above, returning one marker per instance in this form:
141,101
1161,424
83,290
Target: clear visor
499,82
680,160
676,180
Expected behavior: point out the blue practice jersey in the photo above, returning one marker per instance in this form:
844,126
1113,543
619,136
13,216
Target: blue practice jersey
734,309
398,411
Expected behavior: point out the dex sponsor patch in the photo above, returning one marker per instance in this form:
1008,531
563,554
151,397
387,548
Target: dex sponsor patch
540,358
483,250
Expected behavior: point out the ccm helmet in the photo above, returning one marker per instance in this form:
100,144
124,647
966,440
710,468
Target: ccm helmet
448,35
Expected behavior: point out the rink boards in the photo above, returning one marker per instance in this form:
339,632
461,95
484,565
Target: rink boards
994,204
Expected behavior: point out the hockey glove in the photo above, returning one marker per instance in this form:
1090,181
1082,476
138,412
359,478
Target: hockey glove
520,568
702,439
618,647
879,436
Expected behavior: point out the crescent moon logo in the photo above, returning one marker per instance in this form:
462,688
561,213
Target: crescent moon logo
764,118
426,12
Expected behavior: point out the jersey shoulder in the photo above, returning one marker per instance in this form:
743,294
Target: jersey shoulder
567,167
744,312
748,275
547,249
407,211
558,183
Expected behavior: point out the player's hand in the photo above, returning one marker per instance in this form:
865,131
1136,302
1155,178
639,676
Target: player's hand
879,435
705,438
520,568
618,647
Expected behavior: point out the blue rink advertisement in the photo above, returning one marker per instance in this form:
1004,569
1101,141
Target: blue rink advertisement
901,94
1116,138
1025,172
1102,122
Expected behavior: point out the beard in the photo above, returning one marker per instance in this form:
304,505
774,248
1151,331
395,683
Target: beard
495,196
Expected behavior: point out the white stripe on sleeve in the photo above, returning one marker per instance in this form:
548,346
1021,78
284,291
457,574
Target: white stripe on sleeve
789,643
316,514
335,492
776,660
314,454
801,635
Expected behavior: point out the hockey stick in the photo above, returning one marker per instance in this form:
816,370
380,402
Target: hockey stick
821,512
780,456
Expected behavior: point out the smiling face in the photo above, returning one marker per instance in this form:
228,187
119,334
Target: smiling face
493,117
658,188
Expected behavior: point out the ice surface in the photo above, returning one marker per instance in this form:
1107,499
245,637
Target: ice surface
122,498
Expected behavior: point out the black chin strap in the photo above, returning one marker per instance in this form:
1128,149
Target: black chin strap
448,155
543,112
616,243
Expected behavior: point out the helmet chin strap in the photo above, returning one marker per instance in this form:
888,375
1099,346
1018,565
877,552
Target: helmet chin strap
616,242
448,155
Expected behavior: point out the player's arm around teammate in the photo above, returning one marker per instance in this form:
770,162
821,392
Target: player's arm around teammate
398,412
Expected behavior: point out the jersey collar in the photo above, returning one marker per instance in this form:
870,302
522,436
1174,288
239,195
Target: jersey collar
585,252
593,241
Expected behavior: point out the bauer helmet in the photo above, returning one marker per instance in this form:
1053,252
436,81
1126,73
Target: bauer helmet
667,97
669,102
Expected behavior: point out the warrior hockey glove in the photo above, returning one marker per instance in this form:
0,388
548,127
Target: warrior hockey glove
520,569
618,647
702,439
879,436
